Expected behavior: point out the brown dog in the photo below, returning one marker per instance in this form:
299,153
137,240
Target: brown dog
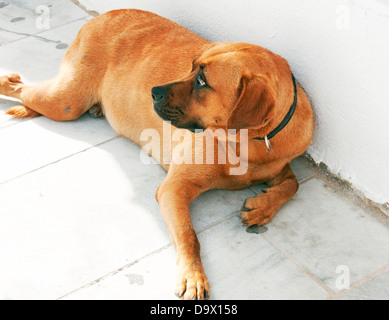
119,58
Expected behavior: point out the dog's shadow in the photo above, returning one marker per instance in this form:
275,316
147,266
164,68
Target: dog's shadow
141,179
81,136
108,182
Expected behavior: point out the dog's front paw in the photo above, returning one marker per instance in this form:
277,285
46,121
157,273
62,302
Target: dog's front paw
192,282
259,210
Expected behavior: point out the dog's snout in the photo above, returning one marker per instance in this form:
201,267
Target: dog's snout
158,93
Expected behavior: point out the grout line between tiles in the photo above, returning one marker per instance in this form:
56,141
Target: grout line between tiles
252,190
299,264
59,160
155,252
112,273
36,35
359,283
213,224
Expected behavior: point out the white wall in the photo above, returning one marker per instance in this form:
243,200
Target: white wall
339,52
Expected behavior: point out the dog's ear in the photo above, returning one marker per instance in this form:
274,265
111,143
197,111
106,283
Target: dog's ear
255,105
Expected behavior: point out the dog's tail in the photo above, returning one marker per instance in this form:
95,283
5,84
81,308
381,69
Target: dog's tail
22,112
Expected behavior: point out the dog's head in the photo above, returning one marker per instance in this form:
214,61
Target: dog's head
231,85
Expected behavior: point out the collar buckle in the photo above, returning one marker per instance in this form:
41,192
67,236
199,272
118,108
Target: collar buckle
268,145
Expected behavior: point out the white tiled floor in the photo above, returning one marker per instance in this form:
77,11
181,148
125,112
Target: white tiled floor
20,18
79,220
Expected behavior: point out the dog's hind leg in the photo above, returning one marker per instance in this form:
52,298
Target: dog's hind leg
9,87
66,97
63,98
261,209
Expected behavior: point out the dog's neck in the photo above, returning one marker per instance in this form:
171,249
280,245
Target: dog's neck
284,122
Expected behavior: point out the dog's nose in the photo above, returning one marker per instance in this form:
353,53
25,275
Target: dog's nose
158,93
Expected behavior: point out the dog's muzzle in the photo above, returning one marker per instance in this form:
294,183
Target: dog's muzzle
173,114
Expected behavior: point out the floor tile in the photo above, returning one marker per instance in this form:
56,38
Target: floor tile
301,171
6,120
152,278
41,141
73,221
375,289
239,266
323,231
21,18
214,205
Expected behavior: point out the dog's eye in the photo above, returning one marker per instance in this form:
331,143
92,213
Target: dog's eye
200,81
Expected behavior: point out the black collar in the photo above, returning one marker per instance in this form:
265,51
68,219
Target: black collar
284,122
